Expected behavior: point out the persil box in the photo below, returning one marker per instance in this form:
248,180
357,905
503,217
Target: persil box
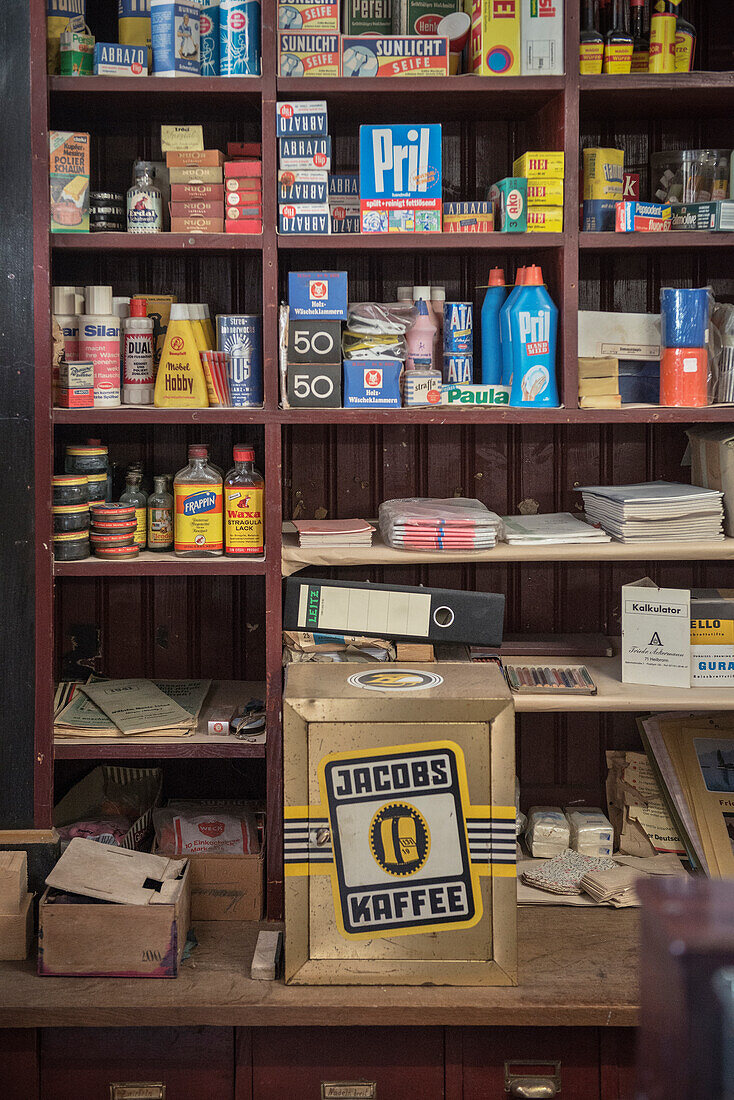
399,174
305,218
372,383
296,15
300,118
395,55
306,53
642,217
318,294
305,152
309,186
112,59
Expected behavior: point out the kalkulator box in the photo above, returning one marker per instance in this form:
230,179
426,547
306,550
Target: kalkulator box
69,181
399,825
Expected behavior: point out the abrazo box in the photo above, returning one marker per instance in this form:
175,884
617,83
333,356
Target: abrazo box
399,825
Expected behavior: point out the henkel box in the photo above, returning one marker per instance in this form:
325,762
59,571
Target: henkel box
304,219
318,294
297,15
342,184
345,215
196,208
393,55
69,181
303,187
468,217
304,53
197,224
541,23
372,383
112,59
545,219
642,217
543,165
298,153
184,192
510,198
420,16
195,158
403,892
366,17
494,40
300,119
545,193
399,175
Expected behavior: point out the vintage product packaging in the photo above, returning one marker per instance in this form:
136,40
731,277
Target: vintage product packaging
305,15
545,219
175,37
243,169
58,14
77,49
195,158
468,217
637,811
239,41
656,635
372,383
306,218
314,387
345,215
318,294
712,638
301,118
395,56
308,53
420,17
373,17
314,342
716,217
197,224
182,138
196,208
510,199
401,889
76,375
203,174
633,336
399,175
603,173
712,464
343,184
495,47
111,59
133,25
541,23
642,217
249,204
599,215
591,831
73,397
303,187
298,153
69,179
539,166
209,192
474,395
545,193
245,225
158,306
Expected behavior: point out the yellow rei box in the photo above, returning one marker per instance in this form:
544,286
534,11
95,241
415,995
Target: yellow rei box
542,166
545,192
545,219
399,825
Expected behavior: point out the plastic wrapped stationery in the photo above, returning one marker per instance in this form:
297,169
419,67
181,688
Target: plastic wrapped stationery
458,523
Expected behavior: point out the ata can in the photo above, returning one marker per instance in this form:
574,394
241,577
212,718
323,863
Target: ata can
239,38
458,338
458,370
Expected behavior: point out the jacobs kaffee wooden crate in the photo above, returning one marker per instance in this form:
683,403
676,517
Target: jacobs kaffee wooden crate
399,825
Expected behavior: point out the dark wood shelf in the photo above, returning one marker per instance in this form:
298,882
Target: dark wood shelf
501,414
150,564
199,748
671,240
145,414
651,95
156,242
423,242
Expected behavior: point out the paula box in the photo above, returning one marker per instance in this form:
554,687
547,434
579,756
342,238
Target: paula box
395,55
195,158
308,53
318,294
112,59
69,181
372,383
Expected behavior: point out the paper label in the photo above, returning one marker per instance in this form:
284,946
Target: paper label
198,521
243,520
656,640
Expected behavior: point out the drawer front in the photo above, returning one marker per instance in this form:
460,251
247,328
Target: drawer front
522,1059
294,1063
172,1063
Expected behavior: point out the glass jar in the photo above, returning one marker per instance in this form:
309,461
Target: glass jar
70,517
70,489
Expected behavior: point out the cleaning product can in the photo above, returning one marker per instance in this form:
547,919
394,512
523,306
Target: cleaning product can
494,299
533,331
504,328
239,38
99,340
458,337
209,38
458,369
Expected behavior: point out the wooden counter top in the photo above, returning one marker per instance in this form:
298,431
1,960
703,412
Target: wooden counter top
577,968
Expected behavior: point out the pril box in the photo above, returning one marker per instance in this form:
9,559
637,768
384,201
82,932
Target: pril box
308,54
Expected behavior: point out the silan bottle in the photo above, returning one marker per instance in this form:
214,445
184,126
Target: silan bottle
99,340
533,333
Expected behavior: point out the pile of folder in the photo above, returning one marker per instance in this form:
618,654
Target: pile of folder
426,524
656,511
129,708
334,532
554,529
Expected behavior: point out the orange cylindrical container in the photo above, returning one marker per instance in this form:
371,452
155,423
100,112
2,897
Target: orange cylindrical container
684,377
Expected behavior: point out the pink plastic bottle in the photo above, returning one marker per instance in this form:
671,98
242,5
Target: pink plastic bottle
421,339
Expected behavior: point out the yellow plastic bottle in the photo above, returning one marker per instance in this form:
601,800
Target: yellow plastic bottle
209,327
180,382
197,324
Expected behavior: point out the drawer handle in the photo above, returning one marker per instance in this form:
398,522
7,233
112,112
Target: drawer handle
138,1090
531,1086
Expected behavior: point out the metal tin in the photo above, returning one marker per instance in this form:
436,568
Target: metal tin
113,510
117,553
239,38
458,369
97,487
70,489
115,539
70,517
107,196
71,546
458,338
240,337
85,460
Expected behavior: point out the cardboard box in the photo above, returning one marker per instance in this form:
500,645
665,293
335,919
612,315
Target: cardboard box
345,216
712,638
181,137
296,15
715,217
343,185
243,169
303,53
656,635
598,368
187,192
300,118
158,306
642,217
76,375
320,294
494,40
603,173
599,215
545,193
545,219
244,213
412,880
226,887
13,881
394,55
474,395
539,166
90,792
195,158
245,199
633,336
141,935
246,150
75,398
113,59
203,174
194,224
712,464
372,383
599,387
304,218
510,199
314,387
541,23
69,181
303,187
314,341
245,225
366,17
197,208
298,153
468,217
175,35
420,17
76,46
389,188
16,931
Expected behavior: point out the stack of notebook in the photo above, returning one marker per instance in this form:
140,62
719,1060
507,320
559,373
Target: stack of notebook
657,511
427,524
554,529
334,532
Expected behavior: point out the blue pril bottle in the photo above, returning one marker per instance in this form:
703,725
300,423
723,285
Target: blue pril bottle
491,361
533,333
505,335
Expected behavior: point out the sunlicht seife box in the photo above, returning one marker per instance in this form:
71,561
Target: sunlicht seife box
297,15
399,175
303,53
298,119
494,41
541,22
394,55
402,891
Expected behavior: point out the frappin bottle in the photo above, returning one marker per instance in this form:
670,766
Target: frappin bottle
197,525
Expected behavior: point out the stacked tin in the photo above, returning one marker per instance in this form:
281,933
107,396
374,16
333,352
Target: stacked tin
70,509
113,531
458,343
107,212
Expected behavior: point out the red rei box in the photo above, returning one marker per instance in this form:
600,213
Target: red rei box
241,169
185,192
248,225
197,208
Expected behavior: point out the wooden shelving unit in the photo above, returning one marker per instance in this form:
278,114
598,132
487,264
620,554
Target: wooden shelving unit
167,617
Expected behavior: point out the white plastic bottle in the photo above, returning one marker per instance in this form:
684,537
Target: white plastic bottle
138,378
438,298
64,311
99,340
121,310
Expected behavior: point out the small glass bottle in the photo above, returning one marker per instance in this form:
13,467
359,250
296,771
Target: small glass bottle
134,494
591,45
244,490
618,45
685,42
160,518
197,523
144,202
641,41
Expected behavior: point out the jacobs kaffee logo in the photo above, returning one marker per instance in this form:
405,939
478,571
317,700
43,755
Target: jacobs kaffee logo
397,679
399,839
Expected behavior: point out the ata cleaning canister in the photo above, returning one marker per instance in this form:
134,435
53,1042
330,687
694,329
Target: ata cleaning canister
239,38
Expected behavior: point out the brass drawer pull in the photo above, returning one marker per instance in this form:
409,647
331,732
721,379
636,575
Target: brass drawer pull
138,1090
531,1086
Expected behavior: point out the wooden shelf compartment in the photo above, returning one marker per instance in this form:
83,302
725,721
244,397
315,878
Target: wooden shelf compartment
90,90
686,95
420,242
147,415
576,968
502,414
197,747
151,564
672,241
156,242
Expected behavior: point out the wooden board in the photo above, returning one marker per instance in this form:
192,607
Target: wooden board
575,969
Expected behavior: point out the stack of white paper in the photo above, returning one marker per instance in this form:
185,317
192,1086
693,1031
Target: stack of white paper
457,523
655,511
334,532
556,528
